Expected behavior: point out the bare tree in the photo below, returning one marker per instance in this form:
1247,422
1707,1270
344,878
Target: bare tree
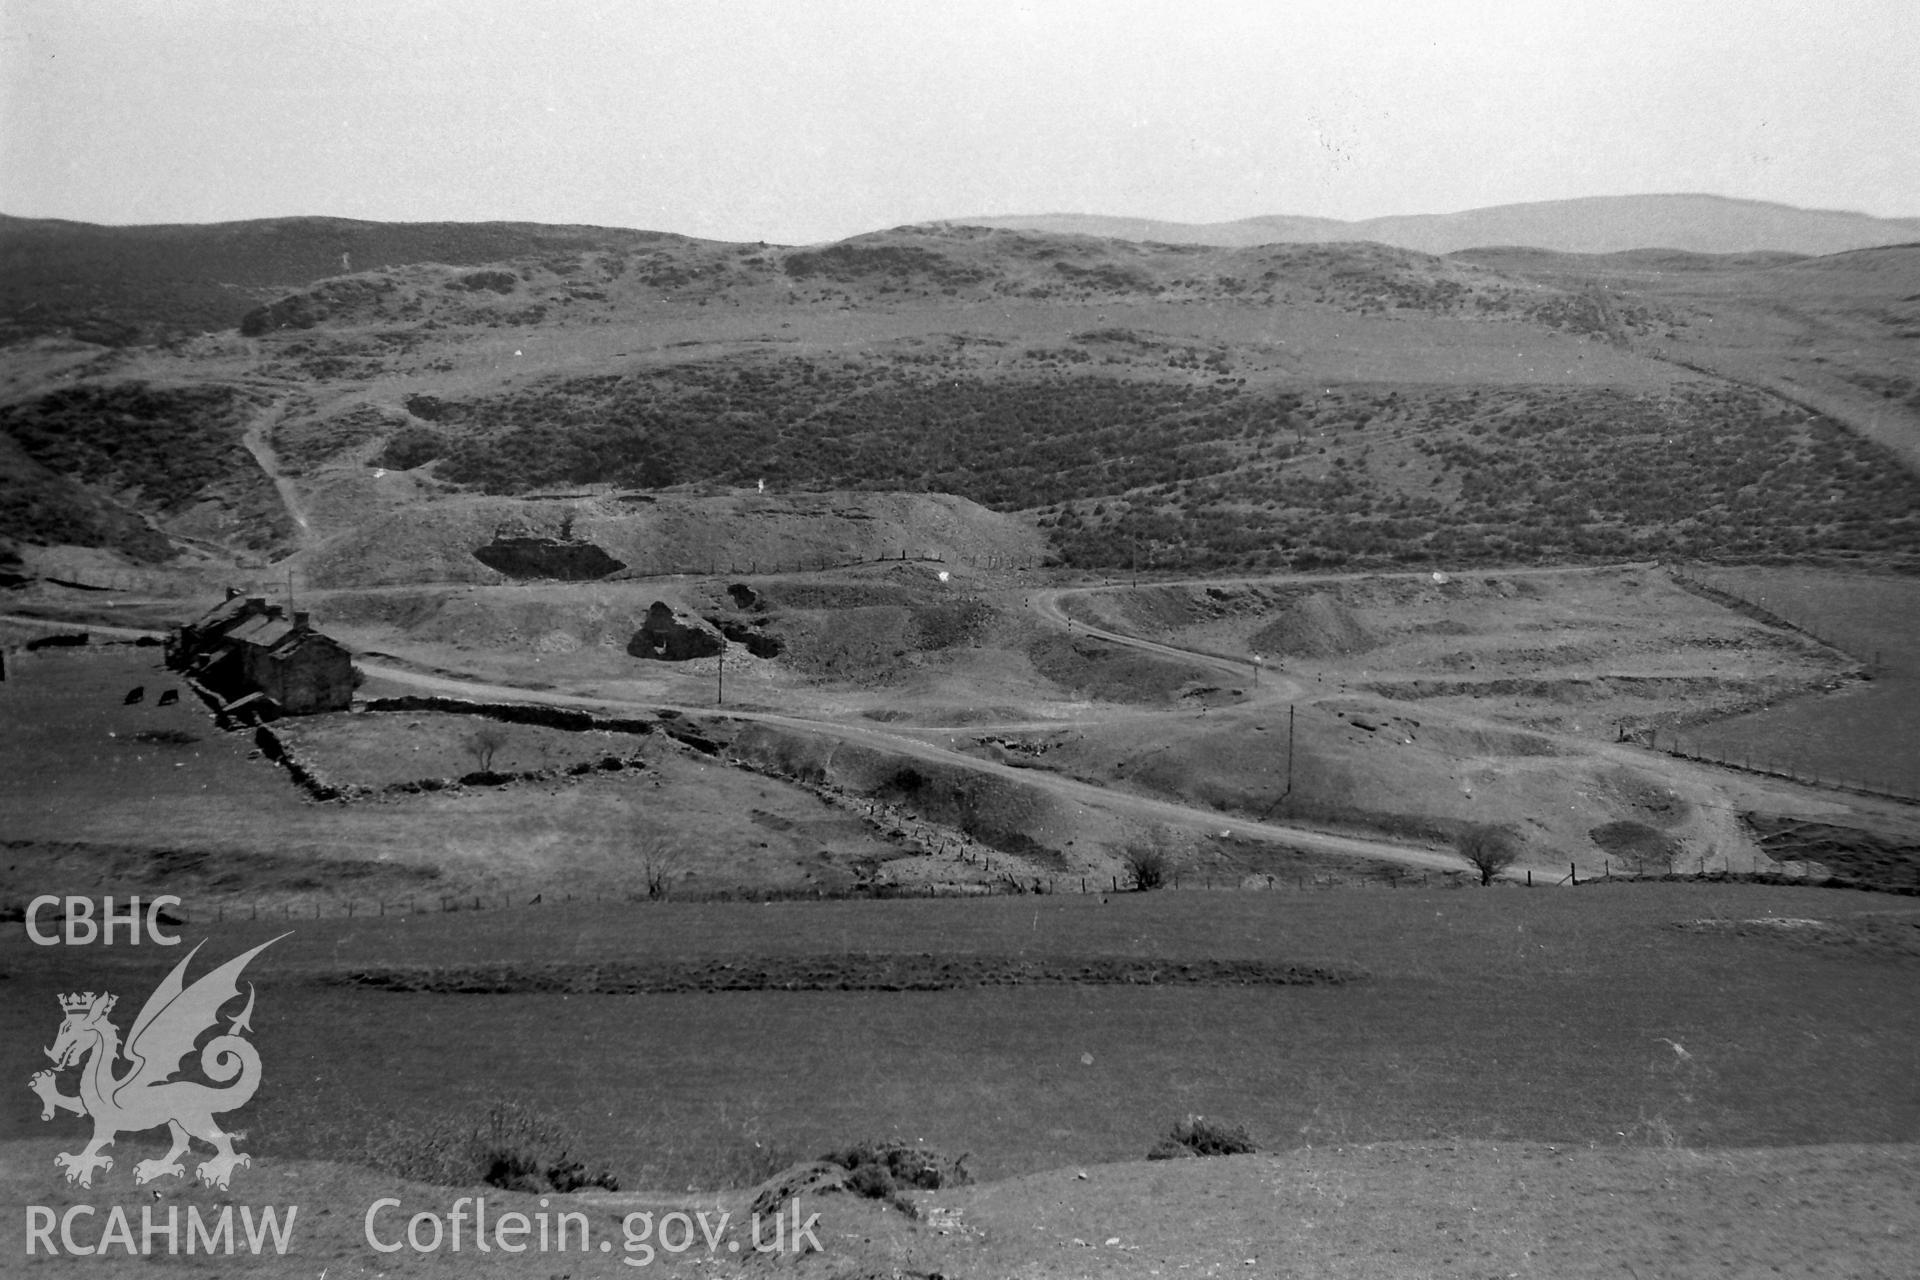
660,860
483,742
1487,848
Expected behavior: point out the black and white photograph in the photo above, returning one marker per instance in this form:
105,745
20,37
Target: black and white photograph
987,640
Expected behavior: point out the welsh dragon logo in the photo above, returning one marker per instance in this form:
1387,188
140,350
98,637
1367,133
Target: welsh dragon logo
145,1096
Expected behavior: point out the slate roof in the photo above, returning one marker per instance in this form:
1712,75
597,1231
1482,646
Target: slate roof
222,615
262,631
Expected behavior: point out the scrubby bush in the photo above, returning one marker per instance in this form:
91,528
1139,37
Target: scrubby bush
902,1165
874,1182
172,443
411,447
885,1170
1148,867
497,281
1199,1136
508,1145
1642,848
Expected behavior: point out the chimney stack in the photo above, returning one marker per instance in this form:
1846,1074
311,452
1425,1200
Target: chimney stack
300,622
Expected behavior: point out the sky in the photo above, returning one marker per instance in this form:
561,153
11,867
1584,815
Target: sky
794,121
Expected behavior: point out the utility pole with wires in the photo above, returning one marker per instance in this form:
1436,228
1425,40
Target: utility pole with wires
1289,790
1281,798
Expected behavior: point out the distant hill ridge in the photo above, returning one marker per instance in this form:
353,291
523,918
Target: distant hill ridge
124,285
1597,224
120,285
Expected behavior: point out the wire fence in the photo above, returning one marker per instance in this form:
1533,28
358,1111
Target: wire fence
1799,875
440,903
1788,768
1781,613
1782,764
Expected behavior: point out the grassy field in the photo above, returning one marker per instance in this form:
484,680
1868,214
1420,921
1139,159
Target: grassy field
100,796
1862,734
387,748
1578,1016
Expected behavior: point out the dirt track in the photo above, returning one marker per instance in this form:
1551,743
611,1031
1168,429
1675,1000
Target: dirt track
1142,808
255,440
1704,783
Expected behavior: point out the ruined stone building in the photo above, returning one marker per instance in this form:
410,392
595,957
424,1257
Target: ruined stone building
254,655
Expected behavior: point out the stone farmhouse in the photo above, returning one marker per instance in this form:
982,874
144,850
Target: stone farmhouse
259,658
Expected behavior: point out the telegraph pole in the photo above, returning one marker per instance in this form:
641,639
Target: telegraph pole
720,684
1281,798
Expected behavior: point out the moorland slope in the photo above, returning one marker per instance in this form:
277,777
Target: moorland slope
1167,406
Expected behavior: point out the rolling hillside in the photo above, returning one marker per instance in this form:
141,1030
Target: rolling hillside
116,286
1166,406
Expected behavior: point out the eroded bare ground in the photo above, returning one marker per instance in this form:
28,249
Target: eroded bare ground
1452,1209
990,741
1528,697
1596,653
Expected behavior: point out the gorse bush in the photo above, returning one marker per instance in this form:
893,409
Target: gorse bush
411,447
1199,1136
885,1170
1148,868
507,1144
1206,473
902,1165
169,442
